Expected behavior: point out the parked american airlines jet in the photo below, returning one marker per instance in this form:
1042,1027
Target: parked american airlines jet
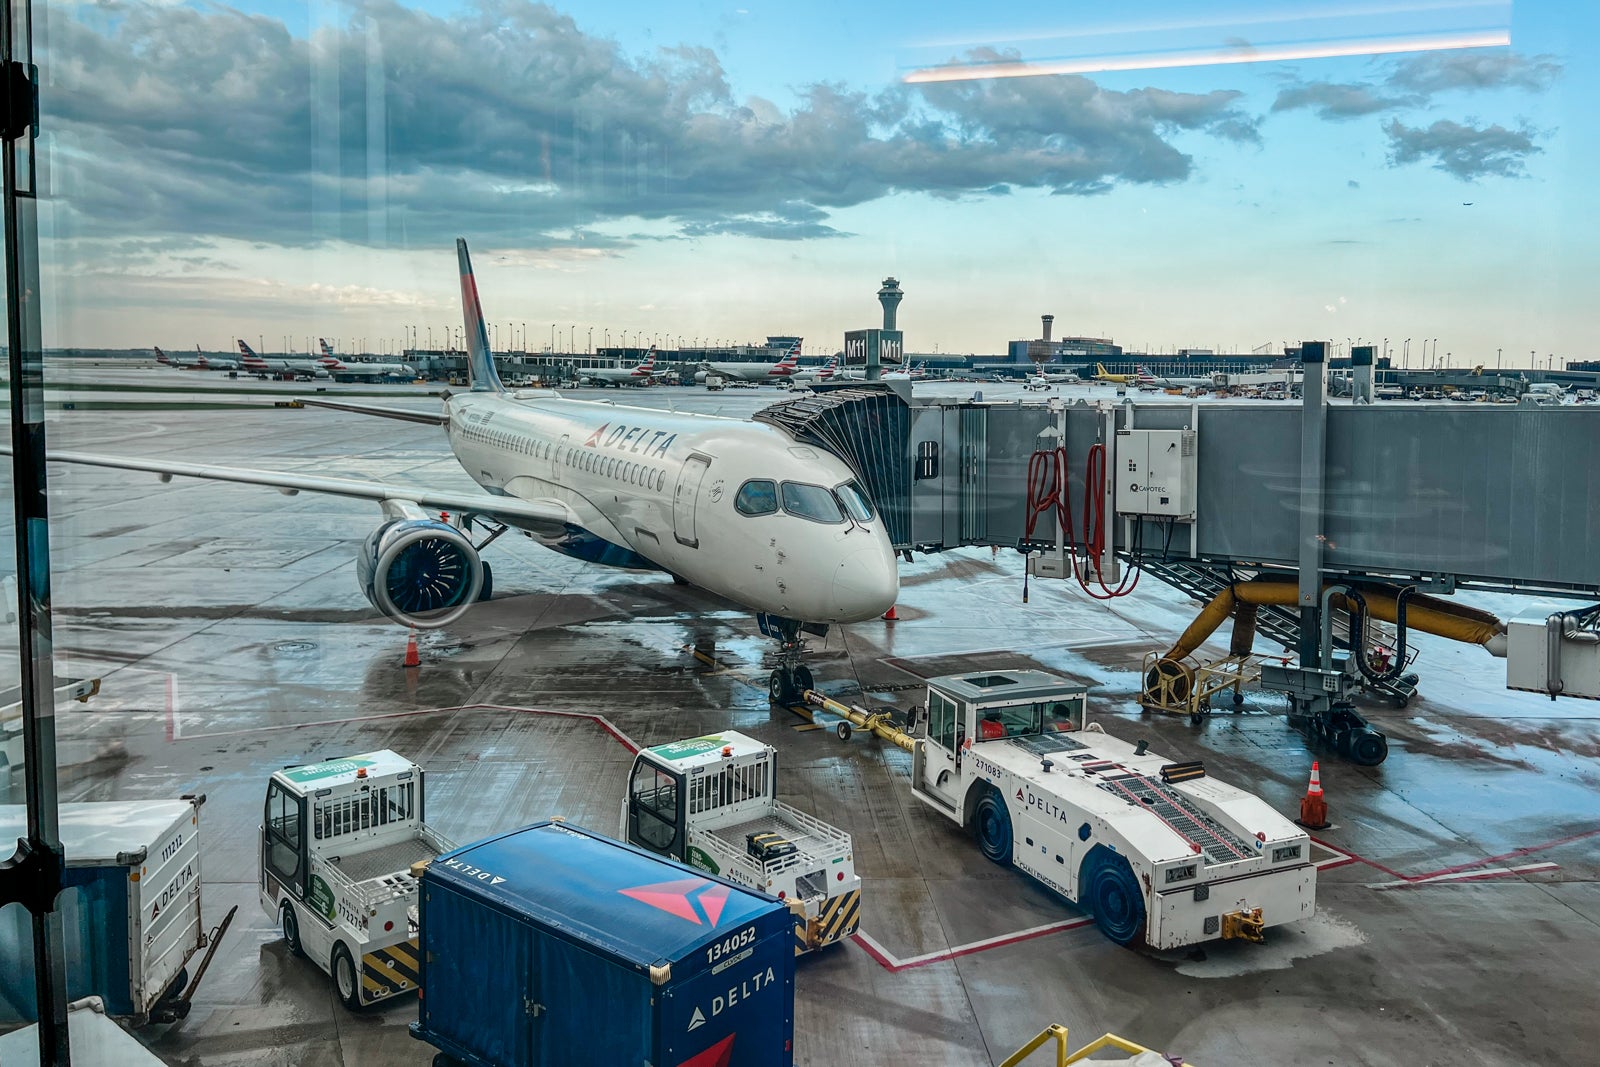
261,367
828,372
357,371
755,372
200,361
738,508
642,374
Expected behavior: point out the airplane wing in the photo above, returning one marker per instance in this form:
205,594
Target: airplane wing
428,418
552,514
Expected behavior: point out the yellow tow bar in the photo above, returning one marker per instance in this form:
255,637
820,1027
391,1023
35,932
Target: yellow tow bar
879,724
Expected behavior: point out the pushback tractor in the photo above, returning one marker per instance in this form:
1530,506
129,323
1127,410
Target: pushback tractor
711,803
1159,852
338,841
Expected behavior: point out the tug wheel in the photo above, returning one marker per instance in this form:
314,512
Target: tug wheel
1109,889
345,980
290,923
993,823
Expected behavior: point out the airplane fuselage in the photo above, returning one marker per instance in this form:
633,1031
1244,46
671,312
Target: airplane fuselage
748,372
657,489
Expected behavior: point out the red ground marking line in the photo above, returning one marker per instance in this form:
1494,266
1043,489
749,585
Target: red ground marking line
894,965
1527,850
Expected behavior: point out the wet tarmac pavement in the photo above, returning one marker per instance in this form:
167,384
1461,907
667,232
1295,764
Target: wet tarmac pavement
1458,918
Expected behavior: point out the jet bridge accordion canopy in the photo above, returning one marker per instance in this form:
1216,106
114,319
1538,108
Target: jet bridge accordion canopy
867,427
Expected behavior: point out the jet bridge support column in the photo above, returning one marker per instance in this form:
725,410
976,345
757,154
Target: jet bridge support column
1361,371
1313,459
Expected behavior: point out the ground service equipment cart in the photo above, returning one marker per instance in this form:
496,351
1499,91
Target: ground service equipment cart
130,910
555,947
338,840
711,802
1157,851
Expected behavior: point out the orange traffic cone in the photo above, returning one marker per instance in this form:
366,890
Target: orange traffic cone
1313,808
890,616
412,659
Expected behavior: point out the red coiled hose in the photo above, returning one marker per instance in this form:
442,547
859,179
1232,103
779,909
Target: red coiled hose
1047,488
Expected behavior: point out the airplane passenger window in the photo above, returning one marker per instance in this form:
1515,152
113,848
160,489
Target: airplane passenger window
854,501
811,502
756,498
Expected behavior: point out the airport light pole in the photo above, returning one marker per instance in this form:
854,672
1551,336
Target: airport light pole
572,339
588,346
552,338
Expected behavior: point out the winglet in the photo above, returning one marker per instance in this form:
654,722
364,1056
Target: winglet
480,363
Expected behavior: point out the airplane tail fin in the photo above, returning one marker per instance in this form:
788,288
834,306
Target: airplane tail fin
1100,369
162,357
480,363
246,351
327,349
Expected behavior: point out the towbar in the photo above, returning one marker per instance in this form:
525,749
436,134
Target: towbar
880,724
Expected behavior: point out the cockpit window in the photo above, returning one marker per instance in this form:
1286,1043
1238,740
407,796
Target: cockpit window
757,497
855,501
811,502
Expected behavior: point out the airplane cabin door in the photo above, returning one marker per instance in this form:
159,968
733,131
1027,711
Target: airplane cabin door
685,498
555,457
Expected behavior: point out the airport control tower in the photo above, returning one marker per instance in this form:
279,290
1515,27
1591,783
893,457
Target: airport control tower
890,296
873,349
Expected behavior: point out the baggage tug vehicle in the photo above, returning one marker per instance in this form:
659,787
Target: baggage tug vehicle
1157,851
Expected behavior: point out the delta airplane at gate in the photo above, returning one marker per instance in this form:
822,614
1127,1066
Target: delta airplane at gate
737,508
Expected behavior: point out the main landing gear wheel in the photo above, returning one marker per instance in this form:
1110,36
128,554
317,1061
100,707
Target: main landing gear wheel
992,821
487,589
290,924
1111,892
345,980
788,685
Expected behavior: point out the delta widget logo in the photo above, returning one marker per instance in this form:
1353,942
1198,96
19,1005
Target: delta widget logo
695,899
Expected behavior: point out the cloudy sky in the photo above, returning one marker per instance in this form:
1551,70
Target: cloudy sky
1227,174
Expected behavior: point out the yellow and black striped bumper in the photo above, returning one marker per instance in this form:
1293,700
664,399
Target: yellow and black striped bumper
387,972
836,920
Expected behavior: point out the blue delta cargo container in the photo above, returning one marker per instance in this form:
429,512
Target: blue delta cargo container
552,946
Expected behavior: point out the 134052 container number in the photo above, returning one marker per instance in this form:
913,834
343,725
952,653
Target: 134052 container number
731,944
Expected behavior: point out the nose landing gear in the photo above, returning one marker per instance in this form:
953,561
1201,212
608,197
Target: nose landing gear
789,681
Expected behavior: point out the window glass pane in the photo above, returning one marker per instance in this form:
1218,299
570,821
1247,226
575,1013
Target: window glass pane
855,501
811,502
757,498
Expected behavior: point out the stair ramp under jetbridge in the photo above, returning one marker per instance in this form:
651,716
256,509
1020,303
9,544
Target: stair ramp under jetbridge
867,428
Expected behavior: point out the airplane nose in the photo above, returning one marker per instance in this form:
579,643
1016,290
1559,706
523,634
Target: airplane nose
865,584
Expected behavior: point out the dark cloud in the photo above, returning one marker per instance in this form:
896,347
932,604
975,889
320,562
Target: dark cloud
403,127
1439,72
1467,152
1413,82
1338,101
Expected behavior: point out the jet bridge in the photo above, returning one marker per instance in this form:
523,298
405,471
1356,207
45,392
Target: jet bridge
1203,494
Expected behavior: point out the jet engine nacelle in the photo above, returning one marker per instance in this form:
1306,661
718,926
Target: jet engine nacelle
420,572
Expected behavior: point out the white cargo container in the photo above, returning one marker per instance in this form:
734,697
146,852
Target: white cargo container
131,908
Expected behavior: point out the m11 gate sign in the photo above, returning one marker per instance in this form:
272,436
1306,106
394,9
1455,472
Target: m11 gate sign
874,347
